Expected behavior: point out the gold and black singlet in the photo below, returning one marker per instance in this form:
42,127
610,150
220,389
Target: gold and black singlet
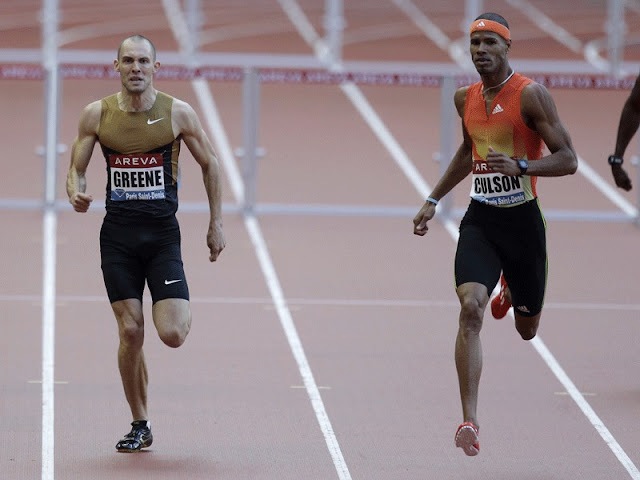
142,159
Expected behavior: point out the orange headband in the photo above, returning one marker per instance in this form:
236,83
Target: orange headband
490,26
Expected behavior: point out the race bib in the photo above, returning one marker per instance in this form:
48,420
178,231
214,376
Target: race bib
495,188
137,177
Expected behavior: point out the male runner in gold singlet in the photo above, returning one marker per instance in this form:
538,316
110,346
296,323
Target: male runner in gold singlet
139,130
506,119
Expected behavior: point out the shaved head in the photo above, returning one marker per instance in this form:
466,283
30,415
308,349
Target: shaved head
139,38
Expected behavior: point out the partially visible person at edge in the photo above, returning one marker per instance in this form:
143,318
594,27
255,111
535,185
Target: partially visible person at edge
140,130
506,118
628,126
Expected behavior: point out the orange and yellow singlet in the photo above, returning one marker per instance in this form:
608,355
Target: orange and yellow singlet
502,128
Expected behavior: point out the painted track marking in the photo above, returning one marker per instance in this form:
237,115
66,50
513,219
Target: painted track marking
178,25
373,120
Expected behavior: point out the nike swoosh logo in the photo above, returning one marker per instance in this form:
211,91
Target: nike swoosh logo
169,282
151,122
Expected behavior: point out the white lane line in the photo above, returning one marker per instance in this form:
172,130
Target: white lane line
561,35
434,33
48,341
590,51
179,27
592,55
371,117
362,105
420,184
121,26
547,25
296,347
430,29
605,188
304,27
377,32
300,387
180,30
172,8
50,14
243,30
62,300
385,137
225,152
591,415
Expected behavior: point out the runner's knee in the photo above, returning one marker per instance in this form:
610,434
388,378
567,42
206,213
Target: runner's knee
173,331
131,333
130,322
172,318
527,327
527,333
471,313
175,336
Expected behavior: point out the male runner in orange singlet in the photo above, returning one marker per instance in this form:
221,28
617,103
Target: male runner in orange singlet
506,119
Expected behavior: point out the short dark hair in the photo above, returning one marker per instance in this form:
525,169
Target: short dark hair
139,38
494,17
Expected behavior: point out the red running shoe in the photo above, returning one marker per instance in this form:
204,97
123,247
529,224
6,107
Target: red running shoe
500,305
467,439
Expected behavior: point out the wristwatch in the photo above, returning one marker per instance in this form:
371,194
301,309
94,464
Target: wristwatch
613,160
523,164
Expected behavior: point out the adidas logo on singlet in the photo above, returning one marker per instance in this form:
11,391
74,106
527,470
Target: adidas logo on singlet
497,109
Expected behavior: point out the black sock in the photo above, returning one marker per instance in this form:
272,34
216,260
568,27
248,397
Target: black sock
141,423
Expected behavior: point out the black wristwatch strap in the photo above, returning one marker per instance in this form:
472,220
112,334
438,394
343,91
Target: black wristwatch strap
523,164
613,160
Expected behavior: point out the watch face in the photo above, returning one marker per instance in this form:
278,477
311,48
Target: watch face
524,165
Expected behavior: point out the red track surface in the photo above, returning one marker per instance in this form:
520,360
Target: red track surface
373,304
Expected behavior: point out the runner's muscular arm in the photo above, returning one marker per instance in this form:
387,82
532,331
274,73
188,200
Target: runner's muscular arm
187,124
629,120
458,170
540,114
81,152
627,127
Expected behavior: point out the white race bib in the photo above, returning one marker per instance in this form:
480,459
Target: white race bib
495,188
137,177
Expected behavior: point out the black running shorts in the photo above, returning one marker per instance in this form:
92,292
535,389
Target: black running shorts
134,251
509,239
